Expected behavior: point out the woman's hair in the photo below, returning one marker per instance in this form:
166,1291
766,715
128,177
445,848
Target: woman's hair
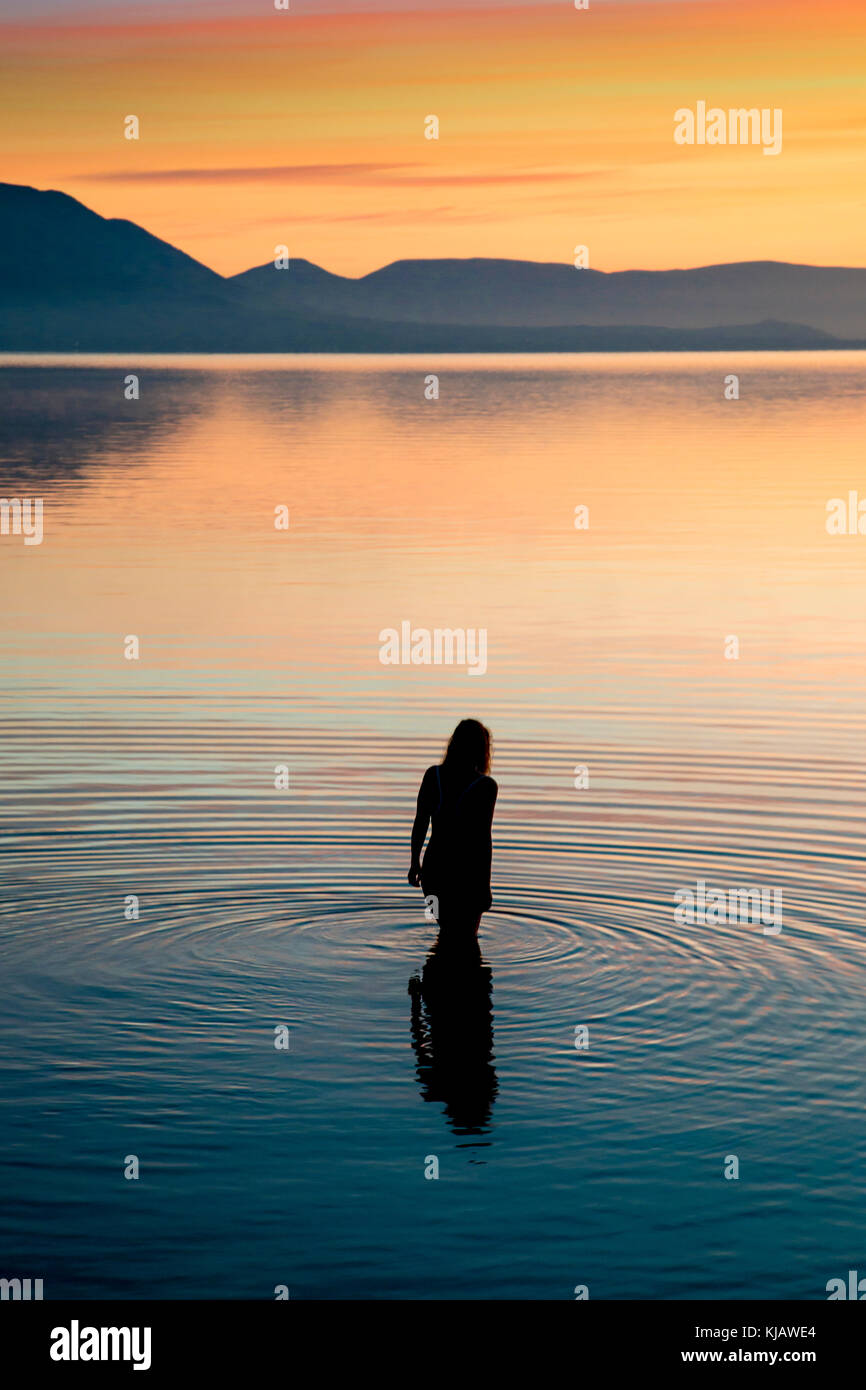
469,747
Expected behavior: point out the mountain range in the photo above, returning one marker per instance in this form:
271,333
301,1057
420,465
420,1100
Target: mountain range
71,280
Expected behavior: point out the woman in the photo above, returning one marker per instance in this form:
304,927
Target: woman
458,796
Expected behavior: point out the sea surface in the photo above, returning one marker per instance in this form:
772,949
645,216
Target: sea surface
204,850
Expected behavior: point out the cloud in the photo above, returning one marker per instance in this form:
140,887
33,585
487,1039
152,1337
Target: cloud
397,217
382,174
301,173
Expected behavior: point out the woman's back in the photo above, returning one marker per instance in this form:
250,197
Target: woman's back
451,800
457,863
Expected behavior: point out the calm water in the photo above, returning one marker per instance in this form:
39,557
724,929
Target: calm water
260,907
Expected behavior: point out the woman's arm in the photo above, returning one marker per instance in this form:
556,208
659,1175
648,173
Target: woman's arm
419,828
488,805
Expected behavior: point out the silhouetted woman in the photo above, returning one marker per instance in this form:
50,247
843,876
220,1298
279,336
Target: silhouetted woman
458,796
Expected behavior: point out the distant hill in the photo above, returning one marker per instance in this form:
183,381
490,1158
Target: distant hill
536,295
72,280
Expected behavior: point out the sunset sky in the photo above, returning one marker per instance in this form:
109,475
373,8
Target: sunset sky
306,127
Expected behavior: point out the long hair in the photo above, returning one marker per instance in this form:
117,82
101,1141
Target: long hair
469,748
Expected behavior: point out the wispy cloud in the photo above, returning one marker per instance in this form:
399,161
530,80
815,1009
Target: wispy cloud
300,173
399,175
395,217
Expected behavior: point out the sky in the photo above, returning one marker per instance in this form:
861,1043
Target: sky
306,128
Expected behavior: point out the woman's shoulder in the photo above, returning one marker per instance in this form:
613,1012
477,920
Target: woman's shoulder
430,781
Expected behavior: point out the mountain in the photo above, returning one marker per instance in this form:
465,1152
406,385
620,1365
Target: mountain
304,283
540,295
52,240
72,280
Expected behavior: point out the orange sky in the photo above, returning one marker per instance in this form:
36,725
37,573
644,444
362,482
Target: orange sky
261,127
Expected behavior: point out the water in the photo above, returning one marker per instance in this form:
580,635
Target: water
154,1037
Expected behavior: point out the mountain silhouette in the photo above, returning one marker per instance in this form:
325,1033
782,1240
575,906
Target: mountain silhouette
72,280
52,240
535,295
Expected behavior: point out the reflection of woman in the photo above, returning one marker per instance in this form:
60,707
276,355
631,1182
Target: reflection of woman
458,796
452,1032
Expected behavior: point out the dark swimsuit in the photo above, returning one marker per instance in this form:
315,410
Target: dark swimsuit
456,865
